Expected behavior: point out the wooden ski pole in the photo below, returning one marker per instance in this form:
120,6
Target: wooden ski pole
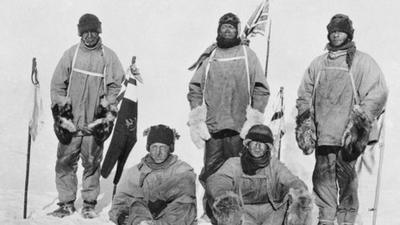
28,154
28,157
379,176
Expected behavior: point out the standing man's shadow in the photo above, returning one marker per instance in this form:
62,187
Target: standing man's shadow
105,196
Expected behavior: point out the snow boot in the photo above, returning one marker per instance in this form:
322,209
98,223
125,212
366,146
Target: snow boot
64,209
88,211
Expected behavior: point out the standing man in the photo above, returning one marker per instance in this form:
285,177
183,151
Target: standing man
342,93
84,88
228,94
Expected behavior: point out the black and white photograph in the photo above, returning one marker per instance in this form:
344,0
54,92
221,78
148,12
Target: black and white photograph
199,112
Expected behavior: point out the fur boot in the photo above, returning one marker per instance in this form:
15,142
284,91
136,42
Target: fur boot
305,134
198,128
228,209
356,135
253,117
63,126
300,209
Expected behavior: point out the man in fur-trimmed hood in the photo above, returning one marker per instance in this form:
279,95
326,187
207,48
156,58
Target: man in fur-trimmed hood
227,94
343,91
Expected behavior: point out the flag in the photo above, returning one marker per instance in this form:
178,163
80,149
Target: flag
277,123
257,22
125,131
37,111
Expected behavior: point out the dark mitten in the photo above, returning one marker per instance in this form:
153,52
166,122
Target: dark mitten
156,207
63,126
305,134
356,135
228,209
122,219
300,208
103,124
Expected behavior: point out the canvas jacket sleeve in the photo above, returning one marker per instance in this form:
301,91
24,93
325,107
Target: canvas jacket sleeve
128,192
115,75
259,87
223,180
60,79
196,84
372,87
306,88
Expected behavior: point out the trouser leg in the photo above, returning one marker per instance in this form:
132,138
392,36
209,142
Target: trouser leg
324,183
66,167
217,151
91,155
348,196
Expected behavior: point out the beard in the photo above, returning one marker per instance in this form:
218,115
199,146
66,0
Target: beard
227,42
91,42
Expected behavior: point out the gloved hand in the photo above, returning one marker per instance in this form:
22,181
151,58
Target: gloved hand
300,208
103,124
356,134
228,209
63,125
198,128
122,219
305,133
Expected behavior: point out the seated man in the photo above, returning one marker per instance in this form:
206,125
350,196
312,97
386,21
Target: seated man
256,188
160,189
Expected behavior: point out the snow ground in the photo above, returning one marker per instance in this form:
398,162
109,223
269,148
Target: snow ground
166,36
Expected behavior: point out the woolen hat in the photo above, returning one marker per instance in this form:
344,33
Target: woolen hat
341,23
89,22
260,133
161,134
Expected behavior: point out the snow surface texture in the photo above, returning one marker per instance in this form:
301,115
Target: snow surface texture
167,36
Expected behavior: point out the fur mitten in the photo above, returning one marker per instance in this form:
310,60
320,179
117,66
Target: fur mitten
300,208
103,124
305,134
198,128
63,125
356,135
228,209
253,117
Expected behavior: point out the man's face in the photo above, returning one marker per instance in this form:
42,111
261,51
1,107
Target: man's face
228,31
258,149
337,38
90,38
159,152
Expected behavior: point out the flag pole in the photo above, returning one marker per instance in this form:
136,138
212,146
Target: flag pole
268,44
280,124
35,81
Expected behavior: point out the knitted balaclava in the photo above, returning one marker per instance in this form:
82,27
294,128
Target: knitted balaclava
89,22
